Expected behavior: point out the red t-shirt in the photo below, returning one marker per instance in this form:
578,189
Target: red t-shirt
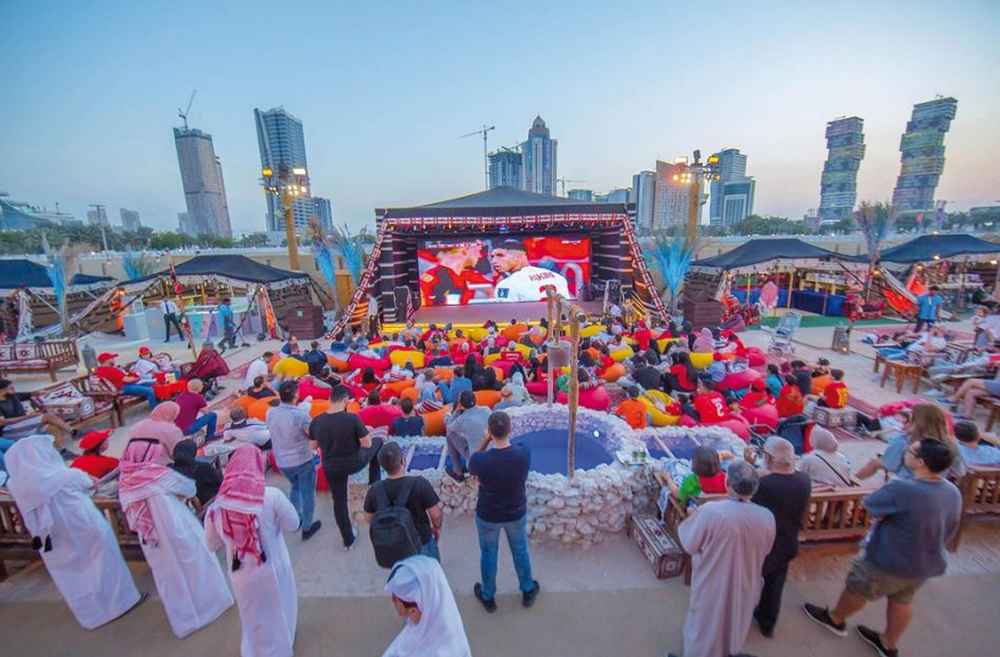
681,373
835,394
190,403
113,374
714,484
711,407
379,415
642,338
789,401
754,398
95,465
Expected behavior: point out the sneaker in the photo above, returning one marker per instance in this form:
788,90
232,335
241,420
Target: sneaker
488,605
307,534
354,541
528,599
821,615
872,637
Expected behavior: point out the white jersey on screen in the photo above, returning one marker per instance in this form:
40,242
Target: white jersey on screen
529,283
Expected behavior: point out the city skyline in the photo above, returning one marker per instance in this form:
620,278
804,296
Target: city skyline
386,133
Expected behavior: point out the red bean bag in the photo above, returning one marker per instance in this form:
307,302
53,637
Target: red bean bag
738,380
596,399
358,393
307,388
763,414
537,388
359,362
501,341
738,426
756,357
487,398
380,416
503,368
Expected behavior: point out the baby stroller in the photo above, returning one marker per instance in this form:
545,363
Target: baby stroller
208,366
795,429
781,335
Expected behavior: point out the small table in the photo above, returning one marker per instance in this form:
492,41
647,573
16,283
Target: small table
168,390
903,371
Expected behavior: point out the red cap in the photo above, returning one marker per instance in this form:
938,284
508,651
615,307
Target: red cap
93,439
145,350
107,355
717,356
759,384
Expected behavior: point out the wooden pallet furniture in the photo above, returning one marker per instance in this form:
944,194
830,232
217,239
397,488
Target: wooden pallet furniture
15,539
28,357
74,403
903,372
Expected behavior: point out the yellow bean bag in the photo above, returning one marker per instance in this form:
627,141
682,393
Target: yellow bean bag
614,372
659,418
292,367
524,349
434,421
488,359
622,354
701,359
478,334
662,344
590,331
402,357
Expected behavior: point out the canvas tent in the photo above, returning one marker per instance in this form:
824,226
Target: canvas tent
933,247
769,254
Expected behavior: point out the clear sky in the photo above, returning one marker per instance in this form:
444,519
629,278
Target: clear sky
89,93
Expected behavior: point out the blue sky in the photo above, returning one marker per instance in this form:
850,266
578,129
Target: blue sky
89,93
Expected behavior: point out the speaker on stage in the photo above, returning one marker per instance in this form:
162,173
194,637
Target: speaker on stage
405,302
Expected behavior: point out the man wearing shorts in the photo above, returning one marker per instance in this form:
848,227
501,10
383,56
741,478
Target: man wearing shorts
914,521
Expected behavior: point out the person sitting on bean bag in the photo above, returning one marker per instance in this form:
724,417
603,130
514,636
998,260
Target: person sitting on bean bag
683,376
774,381
409,424
606,360
260,389
717,369
643,336
790,401
709,406
756,396
632,410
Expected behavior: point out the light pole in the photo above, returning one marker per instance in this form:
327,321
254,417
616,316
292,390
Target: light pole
288,182
693,174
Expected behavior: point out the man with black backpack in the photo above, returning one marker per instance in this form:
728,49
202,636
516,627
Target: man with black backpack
404,513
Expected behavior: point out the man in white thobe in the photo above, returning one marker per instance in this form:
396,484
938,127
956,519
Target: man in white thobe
76,542
728,542
188,576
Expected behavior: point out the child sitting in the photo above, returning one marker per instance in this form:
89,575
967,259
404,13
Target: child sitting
717,369
790,401
707,476
632,410
774,381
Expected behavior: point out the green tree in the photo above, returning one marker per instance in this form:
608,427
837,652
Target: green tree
254,239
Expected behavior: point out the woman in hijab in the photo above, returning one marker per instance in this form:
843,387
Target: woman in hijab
187,575
825,464
248,518
490,379
159,428
518,391
76,543
705,342
206,477
421,594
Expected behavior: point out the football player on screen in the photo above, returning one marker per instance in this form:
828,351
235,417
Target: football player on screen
447,282
518,279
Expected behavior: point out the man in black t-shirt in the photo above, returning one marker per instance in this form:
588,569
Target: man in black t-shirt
423,502
346,448
785,493
502,471
803,377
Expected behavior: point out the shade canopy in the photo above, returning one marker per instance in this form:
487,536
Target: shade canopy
926,247
504,201
26,273
765,251
232,267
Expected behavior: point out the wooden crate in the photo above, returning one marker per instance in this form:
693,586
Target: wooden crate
835,417
661,551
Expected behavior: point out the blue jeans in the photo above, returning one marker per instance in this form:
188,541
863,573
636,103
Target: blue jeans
140,391
208,419
6,443
489,542
303,493
430,549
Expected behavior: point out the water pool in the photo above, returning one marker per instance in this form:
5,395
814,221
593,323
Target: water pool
549,450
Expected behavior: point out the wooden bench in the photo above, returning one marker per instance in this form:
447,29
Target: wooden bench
834,515
26,357
15,539
73,403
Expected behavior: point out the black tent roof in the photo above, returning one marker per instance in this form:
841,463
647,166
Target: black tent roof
925,247
503,201
763,250
238,267
25,273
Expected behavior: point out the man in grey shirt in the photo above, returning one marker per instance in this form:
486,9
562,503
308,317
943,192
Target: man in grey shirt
915,519
293,451
466,429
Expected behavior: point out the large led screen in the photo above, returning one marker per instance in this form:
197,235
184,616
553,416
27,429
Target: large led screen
462,271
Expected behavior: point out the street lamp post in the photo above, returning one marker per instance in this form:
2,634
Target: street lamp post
288,182
693,175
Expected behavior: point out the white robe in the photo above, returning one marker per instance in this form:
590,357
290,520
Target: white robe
188,576
265,593
85,562
728,541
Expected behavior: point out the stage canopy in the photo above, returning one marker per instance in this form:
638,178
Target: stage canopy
29,274
926,247
502,202
761,254
230,269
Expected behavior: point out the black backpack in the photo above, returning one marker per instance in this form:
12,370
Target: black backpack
393,532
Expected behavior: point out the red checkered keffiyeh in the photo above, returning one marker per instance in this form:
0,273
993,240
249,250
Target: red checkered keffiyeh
140,476
241,500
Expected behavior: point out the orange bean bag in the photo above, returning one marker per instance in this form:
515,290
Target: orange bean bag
410,393
434,421
338,365
318,406
259,408
487,398
244,402
819,383
396,388
613,373
444,373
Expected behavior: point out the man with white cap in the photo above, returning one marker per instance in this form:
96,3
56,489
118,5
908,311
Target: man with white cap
728,541
421,595
785,493
74,539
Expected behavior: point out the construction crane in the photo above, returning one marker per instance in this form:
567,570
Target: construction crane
486,162
563,181
184,113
